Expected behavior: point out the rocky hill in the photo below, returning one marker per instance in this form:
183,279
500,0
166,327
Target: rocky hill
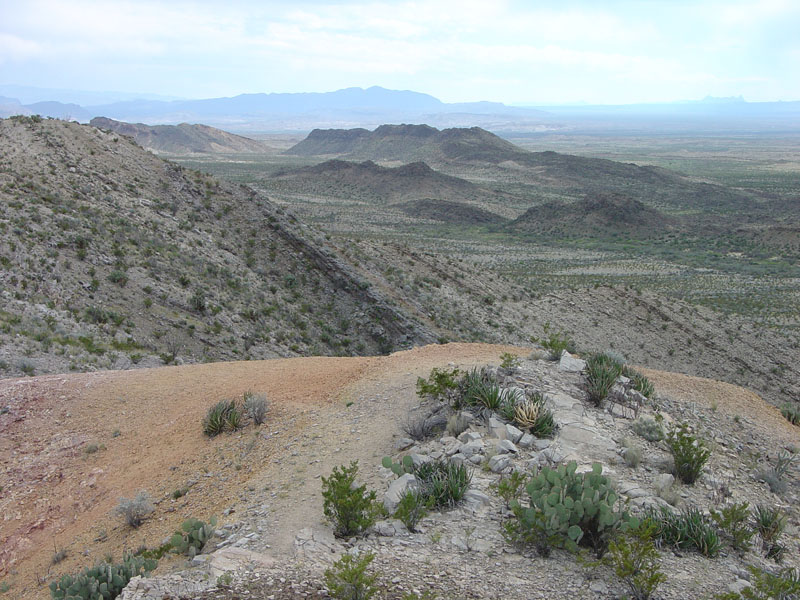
600,215
549,173
112,257
380,184
181,139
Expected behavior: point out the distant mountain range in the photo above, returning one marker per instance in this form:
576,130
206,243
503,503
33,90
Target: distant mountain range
357,107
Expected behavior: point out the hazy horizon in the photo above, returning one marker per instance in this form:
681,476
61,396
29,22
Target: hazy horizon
518,53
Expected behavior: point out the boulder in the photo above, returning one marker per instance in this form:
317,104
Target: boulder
570,364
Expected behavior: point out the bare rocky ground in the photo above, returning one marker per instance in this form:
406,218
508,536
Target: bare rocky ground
274,541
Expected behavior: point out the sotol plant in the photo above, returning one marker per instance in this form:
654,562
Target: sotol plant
689,453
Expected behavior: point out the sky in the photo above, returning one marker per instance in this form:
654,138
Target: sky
512,51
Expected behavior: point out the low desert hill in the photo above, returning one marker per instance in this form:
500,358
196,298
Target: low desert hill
552,173
367,180
112,257
598,215
181,139
449,212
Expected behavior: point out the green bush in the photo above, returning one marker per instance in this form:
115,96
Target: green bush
350,508
135,510
555,343
440,385
510,487
733,522
347,579
192,536
101,582
509,361
791,412
689,529
635,561
784,585
689,453
412,508
567,508
602,371
118,277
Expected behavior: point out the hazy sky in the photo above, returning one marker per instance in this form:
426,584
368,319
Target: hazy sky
603,51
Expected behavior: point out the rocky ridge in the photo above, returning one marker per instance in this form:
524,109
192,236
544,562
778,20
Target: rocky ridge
461,553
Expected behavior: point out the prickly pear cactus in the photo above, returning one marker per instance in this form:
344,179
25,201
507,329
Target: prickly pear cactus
569,508
406,465
192,536
101,582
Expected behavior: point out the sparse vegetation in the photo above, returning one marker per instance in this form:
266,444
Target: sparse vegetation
791,412
602,371
635,561
649,429
255,406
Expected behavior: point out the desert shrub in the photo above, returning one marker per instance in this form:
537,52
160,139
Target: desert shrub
412,508
103,581
635,561
347,579
732,521
689,453
441,384
509,361
532,414
224,415
198,301
510,487
602,371
774,475
769,523
632,455
350,508
555,343
783,585
689,529
566,509
423,428
443,483
255,406
457,424
649,429
791,412
640,382
118,277
191,538
135,510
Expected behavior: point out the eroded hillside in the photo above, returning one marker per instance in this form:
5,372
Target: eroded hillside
112,257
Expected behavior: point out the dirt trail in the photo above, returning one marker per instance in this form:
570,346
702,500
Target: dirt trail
71,445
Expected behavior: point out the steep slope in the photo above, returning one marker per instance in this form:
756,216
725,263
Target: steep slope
112,257
598,215
384,184
181,139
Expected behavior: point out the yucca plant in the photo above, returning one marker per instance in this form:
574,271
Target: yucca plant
602,371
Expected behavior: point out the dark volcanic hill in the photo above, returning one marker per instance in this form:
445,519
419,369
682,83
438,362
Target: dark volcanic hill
599,215
550,173
181,139
111,256
367,180
408,143
449,212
